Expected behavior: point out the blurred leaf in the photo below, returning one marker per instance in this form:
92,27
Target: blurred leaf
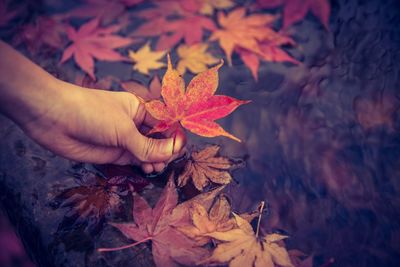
296,10
145,59
195,58
92,41
134,87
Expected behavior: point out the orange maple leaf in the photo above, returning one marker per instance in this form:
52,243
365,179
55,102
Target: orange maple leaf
241,31
197,108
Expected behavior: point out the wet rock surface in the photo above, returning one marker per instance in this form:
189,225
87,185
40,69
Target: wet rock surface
323,147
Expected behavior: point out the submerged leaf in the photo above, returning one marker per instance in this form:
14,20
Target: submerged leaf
92,41
169,246
195,58
205,166
295,10
241,247
146,60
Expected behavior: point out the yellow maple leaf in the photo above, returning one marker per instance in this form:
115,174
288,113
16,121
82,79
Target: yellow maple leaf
210,5
242,247
195,58
145,59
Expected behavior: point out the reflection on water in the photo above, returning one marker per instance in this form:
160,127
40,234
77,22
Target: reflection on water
321,138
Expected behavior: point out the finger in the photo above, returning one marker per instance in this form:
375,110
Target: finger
147,168
148,149
158,167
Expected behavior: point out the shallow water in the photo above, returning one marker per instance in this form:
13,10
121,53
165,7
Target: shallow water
321,140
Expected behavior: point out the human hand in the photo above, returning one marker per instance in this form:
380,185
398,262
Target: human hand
100,127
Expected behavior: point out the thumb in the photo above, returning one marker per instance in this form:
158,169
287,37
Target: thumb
149,149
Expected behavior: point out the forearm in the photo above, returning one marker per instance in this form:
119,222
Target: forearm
27,92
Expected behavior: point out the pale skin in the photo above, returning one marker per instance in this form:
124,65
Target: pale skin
77,123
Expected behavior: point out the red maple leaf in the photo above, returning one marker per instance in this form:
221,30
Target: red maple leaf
188,26
269,51
92,41
197,108
45,32
295,10
169,246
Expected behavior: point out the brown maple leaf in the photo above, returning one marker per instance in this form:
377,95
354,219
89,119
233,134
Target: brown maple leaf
169,246
218,218
205,166
242,247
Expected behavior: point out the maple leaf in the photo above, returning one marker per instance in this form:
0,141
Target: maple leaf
208,6
45,32
197,108
92,41
136,88
216,219
268,51
195,58
187,26
169,246
205,7
146,60
295,10
95,197
242,247
241,31
205,166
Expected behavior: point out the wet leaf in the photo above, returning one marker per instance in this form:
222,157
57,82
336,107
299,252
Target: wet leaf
209,6
296,10
197,108
145,59
169,246
94,42
187,26
241,31
95,197
241,247
270,51
216,219
205,167
134,87
195,58
252,38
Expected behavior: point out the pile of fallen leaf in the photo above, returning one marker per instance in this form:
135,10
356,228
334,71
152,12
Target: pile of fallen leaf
129,30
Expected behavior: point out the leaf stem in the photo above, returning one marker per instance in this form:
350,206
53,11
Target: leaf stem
124,247
259,218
